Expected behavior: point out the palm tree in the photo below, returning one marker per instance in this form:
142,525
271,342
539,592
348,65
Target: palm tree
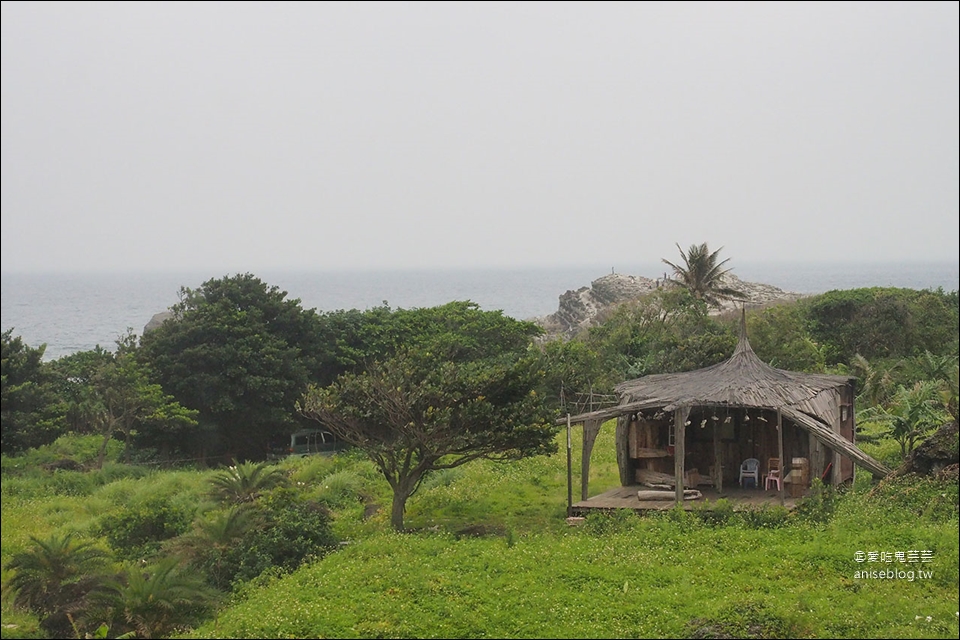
55,578
877,384
702,275
158,601
245,482
207,547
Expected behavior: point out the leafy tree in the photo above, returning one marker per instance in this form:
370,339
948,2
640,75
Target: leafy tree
55,579
702,275
779,337
572,369
666,331
883,323
111,394
462,388
241,353
28,411
950,392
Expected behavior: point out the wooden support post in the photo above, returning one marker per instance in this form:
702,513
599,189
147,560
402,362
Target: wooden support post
623,454
679,451
590,430
717,458
836,476
780,449
816,457
569,471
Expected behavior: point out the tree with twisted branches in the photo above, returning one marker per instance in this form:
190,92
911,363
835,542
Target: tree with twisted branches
460,389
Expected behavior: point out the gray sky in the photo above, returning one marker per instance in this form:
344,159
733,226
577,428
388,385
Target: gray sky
249,136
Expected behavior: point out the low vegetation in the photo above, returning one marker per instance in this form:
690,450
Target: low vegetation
488,553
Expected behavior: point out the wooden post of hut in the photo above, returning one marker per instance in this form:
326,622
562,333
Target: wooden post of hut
569,470
590,430
680,433
836,476
780,450
717,458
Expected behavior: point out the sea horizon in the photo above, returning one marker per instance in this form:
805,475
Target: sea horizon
79,310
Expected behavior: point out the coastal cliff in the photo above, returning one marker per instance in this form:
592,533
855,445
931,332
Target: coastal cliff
579,309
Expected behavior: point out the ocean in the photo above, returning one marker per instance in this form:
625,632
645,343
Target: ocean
72,312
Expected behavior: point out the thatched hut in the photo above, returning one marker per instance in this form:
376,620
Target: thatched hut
697,427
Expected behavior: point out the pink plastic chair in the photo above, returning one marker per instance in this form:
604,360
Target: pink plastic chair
773,474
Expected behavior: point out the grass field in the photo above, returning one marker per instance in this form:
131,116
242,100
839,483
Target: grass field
490,555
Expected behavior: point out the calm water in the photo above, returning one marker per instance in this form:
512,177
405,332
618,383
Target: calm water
73,312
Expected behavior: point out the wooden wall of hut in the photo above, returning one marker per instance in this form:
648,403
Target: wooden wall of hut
647,443
745,433
754,435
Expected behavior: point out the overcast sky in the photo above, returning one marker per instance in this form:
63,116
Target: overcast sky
249,136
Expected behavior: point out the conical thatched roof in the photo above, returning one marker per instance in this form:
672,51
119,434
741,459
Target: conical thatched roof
742,381
811,400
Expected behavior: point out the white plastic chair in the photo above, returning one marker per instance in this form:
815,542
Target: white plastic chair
750,469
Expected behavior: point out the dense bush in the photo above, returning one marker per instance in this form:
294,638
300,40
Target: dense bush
882,323
290,529
136,531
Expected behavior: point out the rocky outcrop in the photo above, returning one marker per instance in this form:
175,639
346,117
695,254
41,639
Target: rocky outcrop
756,294
157,320
580,309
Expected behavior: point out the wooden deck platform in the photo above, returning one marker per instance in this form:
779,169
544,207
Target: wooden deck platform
626,498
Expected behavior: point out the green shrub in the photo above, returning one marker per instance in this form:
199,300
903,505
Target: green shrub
926,497
819,504
136,531
764,517
307,469
715,514
291,530
83,450
71,483
340,488
442,478
607,522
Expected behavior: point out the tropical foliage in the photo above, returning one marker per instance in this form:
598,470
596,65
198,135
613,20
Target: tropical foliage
702,275
245,482
156,601
56,577
912,413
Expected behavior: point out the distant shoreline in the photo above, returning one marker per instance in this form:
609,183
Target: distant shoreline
76,311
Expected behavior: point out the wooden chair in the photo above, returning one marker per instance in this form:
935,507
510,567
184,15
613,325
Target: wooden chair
773,474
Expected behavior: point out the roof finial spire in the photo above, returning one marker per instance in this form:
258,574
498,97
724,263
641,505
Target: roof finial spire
743,344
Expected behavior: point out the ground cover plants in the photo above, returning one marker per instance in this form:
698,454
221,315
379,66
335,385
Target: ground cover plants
489,554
